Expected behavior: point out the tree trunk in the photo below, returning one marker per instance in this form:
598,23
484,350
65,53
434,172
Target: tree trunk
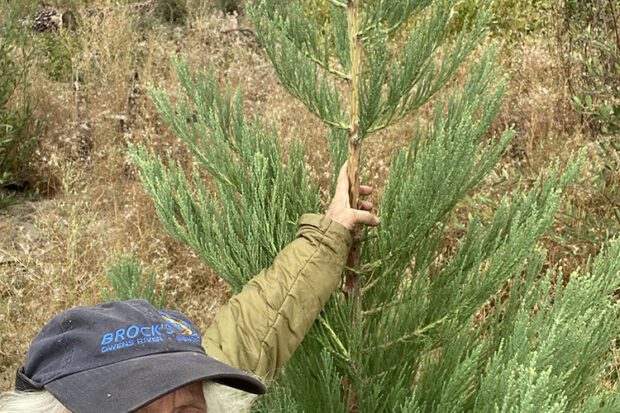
352,285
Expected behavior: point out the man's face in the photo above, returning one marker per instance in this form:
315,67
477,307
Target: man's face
188,399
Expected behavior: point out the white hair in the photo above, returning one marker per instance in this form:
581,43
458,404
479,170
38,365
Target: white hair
30,401
219,398
225,399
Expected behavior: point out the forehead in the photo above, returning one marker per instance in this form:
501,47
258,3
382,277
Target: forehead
190,397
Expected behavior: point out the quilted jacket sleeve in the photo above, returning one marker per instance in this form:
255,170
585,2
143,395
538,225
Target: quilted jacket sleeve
259,329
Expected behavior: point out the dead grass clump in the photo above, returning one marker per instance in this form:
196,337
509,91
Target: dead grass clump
549,128
538,103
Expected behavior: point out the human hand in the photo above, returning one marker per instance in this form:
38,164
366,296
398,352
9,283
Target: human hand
339,209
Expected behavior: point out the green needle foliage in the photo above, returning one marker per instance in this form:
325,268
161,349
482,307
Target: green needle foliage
483,324
253,190
127,280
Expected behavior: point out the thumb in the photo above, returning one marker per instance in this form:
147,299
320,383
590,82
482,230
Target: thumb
366,218
342,184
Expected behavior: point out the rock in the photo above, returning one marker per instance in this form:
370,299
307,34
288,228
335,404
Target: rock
51,20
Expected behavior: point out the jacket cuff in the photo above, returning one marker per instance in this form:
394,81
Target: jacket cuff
336,235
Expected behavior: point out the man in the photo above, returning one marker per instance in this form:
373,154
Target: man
124,357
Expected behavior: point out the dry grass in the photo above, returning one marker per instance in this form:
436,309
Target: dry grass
53,252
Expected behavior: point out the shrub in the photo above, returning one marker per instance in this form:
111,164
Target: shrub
510,20
18,131
172,11
592,47
229,6
59,50
127,280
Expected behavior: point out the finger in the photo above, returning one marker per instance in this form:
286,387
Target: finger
342,185
365,205
365,190
366,218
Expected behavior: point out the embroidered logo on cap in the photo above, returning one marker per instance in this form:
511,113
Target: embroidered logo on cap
172,328
181,326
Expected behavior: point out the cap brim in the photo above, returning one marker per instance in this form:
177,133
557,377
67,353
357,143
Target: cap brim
128,385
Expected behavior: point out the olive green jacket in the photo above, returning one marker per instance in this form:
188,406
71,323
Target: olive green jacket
259,329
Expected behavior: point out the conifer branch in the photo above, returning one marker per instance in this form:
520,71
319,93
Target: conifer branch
287,46
325,66
381,308
290,22
414,77
239,226
304,47
388,16
405,338
338,4
332,334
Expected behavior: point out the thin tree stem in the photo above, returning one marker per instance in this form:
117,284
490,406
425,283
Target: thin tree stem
352,284
355,144
612,12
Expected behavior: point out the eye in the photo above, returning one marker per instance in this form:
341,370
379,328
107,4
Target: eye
190,409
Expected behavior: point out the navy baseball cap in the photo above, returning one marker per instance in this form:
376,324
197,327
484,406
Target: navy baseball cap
119,356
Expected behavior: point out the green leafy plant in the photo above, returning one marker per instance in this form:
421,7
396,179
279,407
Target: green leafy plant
58,51
16,10
421,323
510,19
593,34
127,280
18,129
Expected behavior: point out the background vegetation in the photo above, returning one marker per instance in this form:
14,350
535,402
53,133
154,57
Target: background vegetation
18,134
82,92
